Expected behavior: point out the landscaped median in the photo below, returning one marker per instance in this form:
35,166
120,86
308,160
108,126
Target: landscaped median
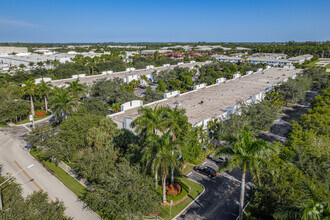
181,201
36,118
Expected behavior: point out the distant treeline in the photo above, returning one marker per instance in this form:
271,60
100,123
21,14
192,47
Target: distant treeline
169,44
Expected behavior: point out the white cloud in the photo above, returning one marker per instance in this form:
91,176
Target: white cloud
17,23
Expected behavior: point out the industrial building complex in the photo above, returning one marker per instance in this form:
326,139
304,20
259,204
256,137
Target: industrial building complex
214,101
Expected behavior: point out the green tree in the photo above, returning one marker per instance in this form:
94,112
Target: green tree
247,153
176,122
158,154
34,206
144,78
294,89
161,86
103,135
62,102
134,83
118,190
312,207
149,121
13,110
29,88
40,64
22,66
76,89
44,90
152,95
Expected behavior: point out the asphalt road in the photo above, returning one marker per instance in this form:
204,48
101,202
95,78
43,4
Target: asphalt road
220,200
14,155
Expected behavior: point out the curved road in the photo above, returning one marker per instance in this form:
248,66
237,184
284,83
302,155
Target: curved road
14,155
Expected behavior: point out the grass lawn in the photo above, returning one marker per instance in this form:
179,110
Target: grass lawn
327,66
4,124
60,174
312,63
36,118
196,189
187,168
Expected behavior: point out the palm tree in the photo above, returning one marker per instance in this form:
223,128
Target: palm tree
248,153
44,90
144,78
56,62
62,102
76,89
40,64
159,157
175,121
150,121
149,154
29,88
312,206
48,62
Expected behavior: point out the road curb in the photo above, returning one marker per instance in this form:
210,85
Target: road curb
191,201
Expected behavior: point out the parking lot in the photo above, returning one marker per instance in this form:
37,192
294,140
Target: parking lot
221,197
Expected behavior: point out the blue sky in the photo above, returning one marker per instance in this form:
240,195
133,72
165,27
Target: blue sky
164,21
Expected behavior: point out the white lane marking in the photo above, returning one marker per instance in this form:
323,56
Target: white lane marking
204,163
188,174
26,127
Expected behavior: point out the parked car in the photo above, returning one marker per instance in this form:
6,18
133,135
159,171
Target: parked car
218,160
208,171
55,122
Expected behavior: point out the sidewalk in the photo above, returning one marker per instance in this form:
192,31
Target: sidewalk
11,124
73,173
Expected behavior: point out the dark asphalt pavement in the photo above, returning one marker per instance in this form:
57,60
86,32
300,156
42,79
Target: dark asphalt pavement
220,200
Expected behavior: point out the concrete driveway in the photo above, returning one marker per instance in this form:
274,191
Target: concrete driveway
220,199
14,155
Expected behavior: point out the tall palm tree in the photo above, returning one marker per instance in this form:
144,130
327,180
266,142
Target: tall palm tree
149,154
158,155
62,102
44,89
248,153
175,121
29,88
150,121
76,89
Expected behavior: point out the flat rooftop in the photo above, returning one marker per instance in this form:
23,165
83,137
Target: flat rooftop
217,98
123,74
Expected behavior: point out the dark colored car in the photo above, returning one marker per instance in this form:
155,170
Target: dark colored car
218,160
55,122
208,171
